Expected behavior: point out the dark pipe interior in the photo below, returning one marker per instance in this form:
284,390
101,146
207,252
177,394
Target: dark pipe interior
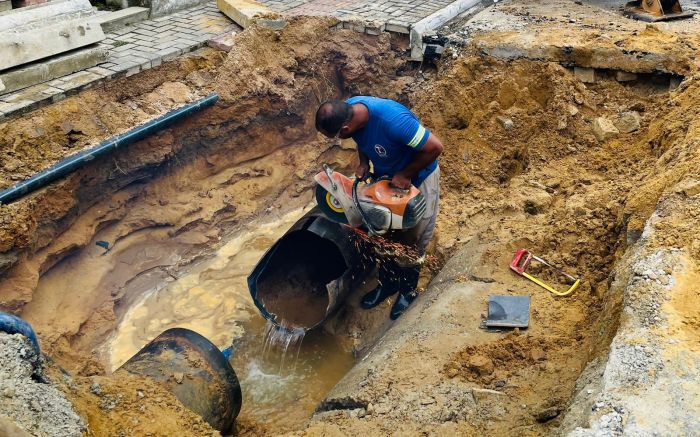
293,286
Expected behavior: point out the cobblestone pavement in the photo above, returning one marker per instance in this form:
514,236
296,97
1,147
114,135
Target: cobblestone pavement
148,43
399,13
132,49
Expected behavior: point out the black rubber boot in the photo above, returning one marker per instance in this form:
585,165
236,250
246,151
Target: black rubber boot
389,283
408,282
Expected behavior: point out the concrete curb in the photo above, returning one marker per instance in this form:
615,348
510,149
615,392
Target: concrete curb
434,21
116,20
246,12
54,67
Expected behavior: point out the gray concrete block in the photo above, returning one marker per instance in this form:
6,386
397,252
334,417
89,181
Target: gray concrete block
57,66
5,5
161,8
585,75
118,19
27,45
625,76
245,13
42,13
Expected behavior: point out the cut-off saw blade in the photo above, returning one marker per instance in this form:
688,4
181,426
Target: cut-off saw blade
330,206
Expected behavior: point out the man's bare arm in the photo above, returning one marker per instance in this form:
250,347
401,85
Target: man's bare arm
431,150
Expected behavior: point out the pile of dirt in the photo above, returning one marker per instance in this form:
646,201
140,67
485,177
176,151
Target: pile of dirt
27,398
127,405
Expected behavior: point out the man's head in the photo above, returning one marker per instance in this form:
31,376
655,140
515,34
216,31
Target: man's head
333,119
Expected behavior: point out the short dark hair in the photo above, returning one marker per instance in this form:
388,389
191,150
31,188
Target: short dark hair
331,116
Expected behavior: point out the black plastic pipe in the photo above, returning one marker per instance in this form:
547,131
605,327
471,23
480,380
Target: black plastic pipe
14,325
76,161
306,275
195,371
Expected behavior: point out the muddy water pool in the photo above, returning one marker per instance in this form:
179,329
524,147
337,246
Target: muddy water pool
280,388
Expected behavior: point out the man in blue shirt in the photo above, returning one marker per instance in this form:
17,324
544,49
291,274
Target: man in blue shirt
390,137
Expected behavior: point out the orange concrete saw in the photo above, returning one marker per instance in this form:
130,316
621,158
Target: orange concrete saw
377,205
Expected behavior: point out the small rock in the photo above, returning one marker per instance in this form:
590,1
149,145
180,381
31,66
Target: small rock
452,372
537,354
427,401
140,394
628,122
604,129
689,188
178,376
507,123
361,413
500,383
9,392
95,388
547,414
12,164
370,408
573,110
481,365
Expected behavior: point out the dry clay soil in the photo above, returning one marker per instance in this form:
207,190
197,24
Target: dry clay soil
546,184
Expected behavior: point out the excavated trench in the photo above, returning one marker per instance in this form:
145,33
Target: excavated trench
188,212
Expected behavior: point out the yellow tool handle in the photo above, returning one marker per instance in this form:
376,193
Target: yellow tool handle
549,288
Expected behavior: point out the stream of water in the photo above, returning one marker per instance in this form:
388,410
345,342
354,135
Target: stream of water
283,374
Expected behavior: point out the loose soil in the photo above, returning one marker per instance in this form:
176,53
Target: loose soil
546,184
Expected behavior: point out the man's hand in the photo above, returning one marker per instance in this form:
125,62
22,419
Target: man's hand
362,171
401,182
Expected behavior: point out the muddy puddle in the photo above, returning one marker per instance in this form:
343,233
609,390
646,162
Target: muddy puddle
281,386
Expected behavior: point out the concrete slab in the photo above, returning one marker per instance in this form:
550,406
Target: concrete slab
115,20
26,16
42,71
27,44
433,21
5,5
161,8
246,12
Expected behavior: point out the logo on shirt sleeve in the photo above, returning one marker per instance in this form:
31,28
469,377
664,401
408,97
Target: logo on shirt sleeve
380,150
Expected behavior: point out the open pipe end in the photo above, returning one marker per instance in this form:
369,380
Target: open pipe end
294,284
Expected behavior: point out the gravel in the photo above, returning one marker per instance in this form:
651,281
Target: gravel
34,406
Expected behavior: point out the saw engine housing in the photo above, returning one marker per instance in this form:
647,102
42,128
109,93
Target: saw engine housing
376,205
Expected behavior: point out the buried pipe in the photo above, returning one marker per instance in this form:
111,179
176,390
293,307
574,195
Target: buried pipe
72,163
306,275
14,325
195,371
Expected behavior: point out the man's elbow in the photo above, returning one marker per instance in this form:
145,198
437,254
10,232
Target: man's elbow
436,147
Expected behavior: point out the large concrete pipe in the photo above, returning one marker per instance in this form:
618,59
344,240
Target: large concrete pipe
195,371
305,276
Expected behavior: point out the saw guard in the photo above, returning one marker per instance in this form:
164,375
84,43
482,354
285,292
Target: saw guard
340,187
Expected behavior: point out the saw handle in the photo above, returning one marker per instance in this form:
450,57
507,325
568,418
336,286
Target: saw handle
518,265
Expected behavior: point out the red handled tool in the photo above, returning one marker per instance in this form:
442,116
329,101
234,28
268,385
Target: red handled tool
522,260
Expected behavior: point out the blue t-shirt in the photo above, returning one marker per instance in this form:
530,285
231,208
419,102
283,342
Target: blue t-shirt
391,137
